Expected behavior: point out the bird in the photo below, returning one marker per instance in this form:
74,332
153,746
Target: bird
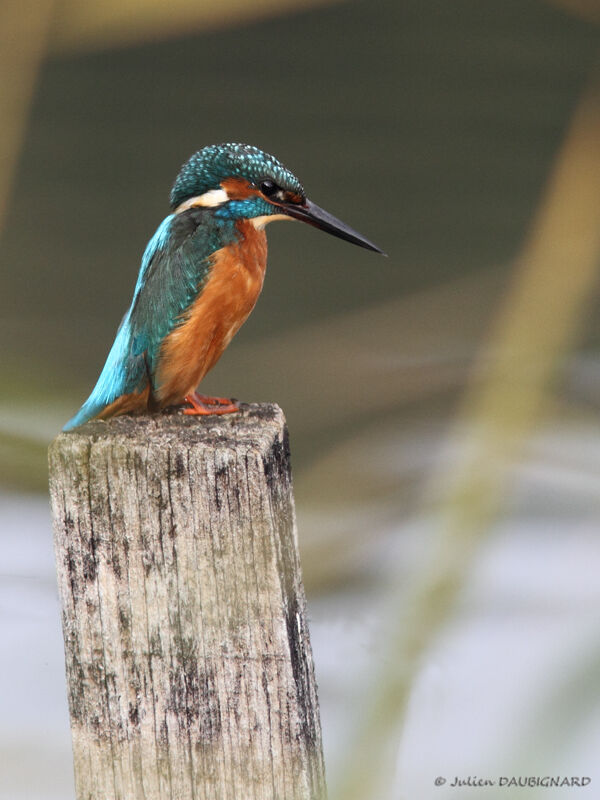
200,277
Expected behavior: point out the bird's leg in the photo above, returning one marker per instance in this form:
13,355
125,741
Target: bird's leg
203,406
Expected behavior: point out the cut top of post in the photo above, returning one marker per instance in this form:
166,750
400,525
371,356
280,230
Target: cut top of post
255,425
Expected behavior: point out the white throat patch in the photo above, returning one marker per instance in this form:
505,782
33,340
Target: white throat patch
210,199
260,222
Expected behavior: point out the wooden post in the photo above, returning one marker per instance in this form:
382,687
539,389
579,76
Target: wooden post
188,658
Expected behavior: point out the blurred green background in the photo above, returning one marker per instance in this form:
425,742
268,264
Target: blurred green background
444,394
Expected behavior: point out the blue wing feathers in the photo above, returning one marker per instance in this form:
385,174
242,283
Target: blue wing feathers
125,369
175,264
157,243
123,373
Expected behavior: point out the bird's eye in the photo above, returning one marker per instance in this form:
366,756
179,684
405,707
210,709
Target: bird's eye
268,188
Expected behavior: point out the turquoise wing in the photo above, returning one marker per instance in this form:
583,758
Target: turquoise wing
176,263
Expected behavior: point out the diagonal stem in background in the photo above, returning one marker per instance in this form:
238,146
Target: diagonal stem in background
23,35
538,321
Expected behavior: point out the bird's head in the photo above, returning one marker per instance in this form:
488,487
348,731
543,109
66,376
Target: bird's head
239,181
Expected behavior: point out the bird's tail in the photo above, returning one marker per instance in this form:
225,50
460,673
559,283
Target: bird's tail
90,409
123,374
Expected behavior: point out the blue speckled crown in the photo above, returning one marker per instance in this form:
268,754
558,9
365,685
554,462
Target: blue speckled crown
208,167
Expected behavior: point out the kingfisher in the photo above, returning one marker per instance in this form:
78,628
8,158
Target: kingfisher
200,277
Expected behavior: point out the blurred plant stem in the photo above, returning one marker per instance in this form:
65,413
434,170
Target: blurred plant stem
24,30
588,10
538,321
85,26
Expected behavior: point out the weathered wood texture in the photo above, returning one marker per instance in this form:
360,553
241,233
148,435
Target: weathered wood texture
188,659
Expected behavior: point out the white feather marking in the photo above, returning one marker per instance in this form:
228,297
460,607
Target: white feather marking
260,222
214,197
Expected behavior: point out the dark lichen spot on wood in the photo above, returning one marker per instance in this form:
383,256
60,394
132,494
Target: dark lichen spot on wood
89,567
154,644
134,714
276,464
184,685
116,564
165,508
124,620
179,465
163,734
260,411
71,567
209,717
172,531
221,484
76,682
286,450
148,554
139,461
95,669
95,724
217,494
301,678
265,686
89,560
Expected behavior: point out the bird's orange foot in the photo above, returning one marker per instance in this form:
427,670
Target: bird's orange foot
212,401
201,405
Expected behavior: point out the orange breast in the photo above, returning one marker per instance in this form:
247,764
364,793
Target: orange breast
216,315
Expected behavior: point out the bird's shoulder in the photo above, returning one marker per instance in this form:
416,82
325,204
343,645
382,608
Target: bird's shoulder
176,264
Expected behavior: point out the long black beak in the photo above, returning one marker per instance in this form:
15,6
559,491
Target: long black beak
319,218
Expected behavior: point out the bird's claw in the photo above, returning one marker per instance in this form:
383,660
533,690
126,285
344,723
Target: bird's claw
201,405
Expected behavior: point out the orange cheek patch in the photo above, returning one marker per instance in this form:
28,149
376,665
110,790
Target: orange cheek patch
238,189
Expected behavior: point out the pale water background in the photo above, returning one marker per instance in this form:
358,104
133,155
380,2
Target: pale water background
509,688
